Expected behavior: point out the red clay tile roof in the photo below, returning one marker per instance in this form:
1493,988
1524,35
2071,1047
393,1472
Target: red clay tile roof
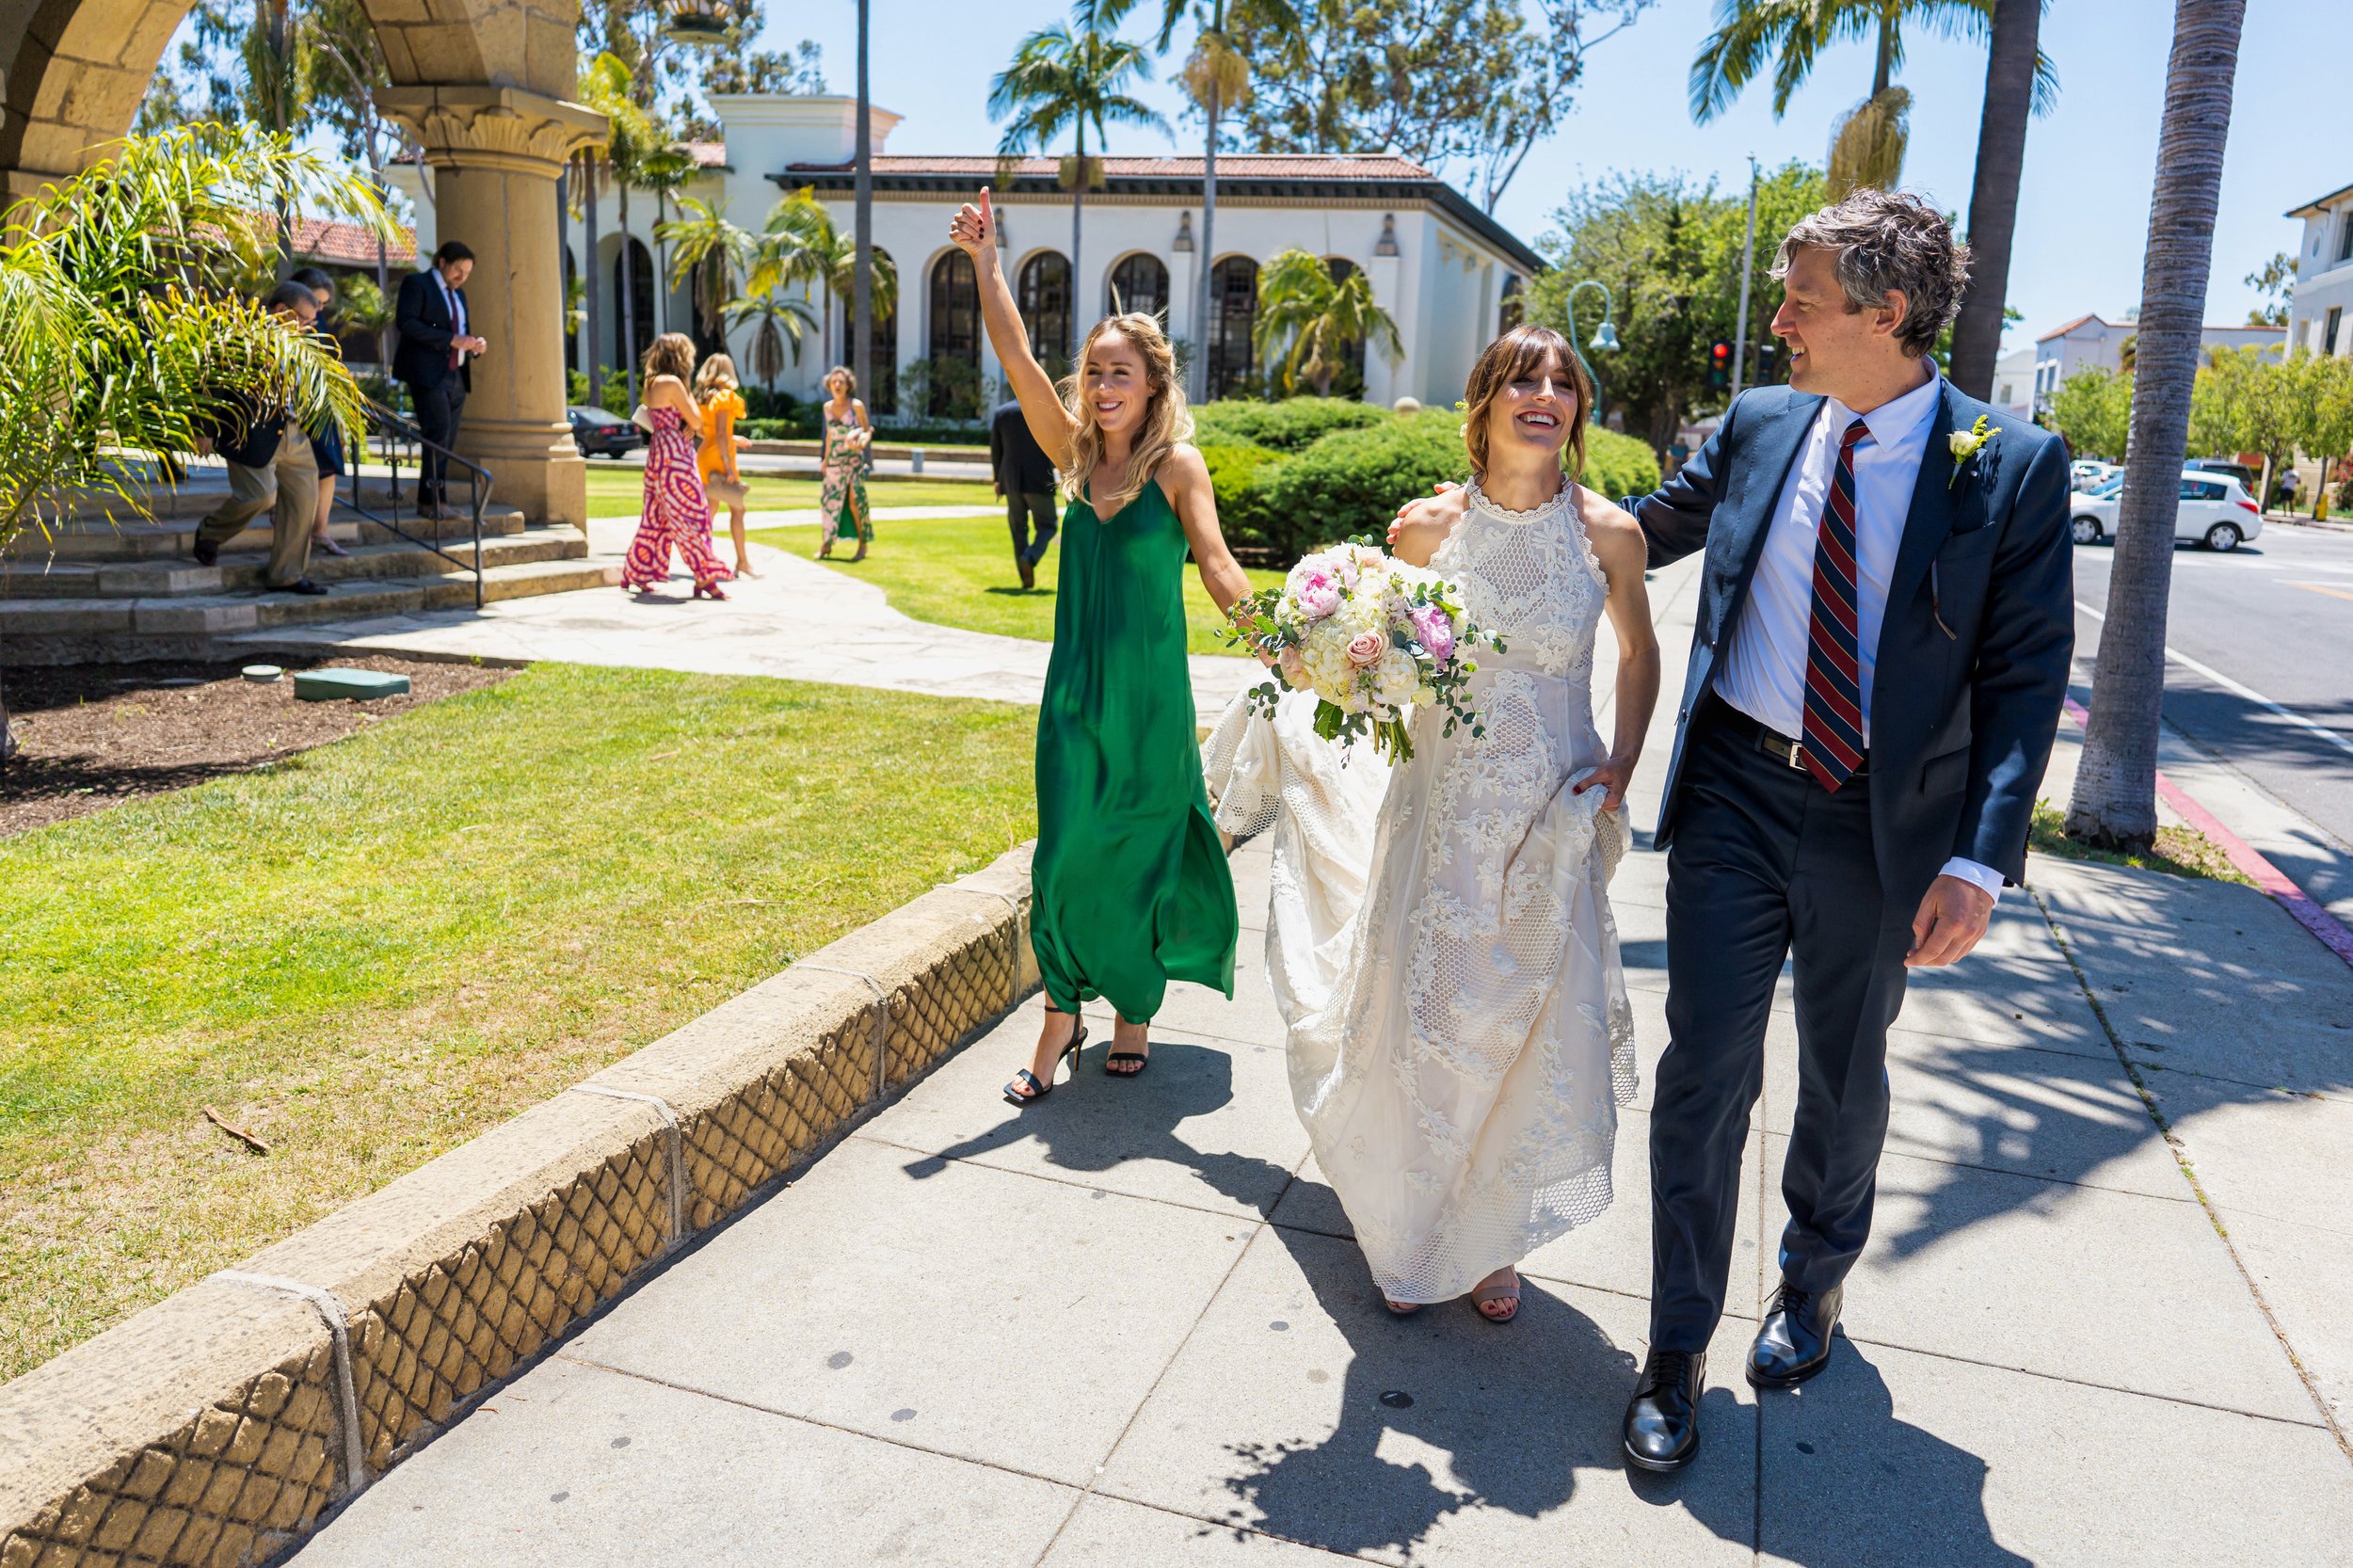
349,245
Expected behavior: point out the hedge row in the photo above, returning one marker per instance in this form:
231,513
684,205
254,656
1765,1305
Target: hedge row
1285,501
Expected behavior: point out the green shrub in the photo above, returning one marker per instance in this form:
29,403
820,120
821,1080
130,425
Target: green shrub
1291,426
1352,481
1237,474
1619,465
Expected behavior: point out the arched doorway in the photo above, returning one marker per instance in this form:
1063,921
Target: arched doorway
1139,283
953,351
1044,297
1350,380
1233,311
1513,309
632,333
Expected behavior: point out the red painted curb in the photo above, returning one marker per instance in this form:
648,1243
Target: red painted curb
2307,910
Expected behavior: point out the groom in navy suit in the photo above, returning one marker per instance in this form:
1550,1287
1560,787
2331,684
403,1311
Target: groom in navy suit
1885,630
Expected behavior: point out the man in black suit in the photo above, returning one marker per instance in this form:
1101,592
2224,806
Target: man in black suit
1026,480
271,469
1885,624
435,358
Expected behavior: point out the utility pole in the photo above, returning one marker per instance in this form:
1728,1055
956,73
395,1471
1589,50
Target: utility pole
862,283
1748,262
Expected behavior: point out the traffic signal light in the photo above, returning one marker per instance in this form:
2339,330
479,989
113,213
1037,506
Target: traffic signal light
1768,362
1720,368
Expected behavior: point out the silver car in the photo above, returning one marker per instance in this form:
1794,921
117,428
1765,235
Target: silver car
2215,511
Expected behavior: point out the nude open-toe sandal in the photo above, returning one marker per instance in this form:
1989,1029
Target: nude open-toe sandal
1496,1293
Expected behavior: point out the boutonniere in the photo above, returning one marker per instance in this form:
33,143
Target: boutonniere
1968,445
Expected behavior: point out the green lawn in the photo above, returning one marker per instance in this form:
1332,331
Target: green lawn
375,949
616,492
959,571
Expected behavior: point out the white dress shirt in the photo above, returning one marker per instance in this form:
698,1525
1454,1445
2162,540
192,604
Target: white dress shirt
1763,670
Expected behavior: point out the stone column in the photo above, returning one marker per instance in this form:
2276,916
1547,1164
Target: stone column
495,152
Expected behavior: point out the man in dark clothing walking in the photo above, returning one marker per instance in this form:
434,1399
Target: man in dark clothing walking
435,360
1026,480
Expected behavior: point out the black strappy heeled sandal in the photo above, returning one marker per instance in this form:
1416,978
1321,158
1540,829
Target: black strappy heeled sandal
1039,1090
1110,1063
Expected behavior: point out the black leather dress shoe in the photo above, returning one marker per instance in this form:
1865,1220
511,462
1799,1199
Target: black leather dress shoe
1793,1342
206,552
1662,1421
302,586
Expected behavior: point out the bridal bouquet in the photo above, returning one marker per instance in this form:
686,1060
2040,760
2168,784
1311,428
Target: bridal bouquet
1368,635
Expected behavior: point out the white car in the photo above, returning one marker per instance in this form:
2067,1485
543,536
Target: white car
2215,511
2090,474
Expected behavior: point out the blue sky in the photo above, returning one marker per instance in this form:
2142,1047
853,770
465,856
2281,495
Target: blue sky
2083,213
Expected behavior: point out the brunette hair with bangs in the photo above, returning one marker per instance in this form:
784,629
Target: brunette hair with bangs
1510,357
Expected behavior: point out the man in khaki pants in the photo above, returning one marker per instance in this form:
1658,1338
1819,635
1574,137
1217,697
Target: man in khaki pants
272,469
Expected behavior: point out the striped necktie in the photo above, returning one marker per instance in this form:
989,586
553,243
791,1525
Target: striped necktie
1833,671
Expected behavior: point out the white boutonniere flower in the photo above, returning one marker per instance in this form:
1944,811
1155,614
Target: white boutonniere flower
1967,444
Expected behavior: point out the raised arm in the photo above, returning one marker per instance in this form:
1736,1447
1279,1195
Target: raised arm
974,230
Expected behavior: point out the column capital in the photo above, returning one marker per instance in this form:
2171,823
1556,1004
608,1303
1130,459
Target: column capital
492,127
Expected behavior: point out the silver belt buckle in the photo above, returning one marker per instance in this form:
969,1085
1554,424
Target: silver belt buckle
1796,757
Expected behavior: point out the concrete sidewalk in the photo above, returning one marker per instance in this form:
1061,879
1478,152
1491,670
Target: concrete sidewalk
796,620
2100,1321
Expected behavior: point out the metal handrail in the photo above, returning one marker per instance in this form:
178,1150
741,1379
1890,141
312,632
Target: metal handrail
389,427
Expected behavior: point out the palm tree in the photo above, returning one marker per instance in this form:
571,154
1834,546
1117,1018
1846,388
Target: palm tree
1216,77
776,322
801,245
1301,303
666,171
122,347
631,136
708,251
2009,79
1789,36
1067,77
2114,799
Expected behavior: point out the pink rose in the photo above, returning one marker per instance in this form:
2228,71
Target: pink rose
1366,647
1435,629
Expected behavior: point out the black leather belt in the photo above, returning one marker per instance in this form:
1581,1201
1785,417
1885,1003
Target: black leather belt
1772,743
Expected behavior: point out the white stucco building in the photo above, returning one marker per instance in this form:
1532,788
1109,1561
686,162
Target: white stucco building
2320,312
2014,382
1444,270
2093,341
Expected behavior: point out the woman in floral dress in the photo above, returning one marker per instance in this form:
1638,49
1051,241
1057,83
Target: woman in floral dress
676,514
848,433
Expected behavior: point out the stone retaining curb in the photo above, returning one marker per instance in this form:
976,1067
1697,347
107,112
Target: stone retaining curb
218,1426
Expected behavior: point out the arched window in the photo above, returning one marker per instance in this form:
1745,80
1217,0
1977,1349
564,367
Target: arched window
883,335
954,348
633,330
1139,283
1514,306
1044,296
1233,310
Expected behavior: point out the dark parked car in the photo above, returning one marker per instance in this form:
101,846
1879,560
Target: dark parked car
599,434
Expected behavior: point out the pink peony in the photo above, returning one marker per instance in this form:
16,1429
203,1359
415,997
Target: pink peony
1318,595
1435,631
1366,647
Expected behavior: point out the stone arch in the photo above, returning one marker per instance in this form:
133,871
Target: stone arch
484,86
1233,311
951,322
1137,281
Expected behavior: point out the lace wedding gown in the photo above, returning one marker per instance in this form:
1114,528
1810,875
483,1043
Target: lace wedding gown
1440,941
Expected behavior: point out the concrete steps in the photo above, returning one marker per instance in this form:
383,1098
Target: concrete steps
170,576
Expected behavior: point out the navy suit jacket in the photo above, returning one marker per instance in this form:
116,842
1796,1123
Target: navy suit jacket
426,330
1978,637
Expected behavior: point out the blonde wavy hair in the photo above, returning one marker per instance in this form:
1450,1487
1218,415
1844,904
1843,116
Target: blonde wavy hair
1166,418
716,376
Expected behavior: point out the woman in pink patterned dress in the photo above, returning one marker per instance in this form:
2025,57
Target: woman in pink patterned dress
676,512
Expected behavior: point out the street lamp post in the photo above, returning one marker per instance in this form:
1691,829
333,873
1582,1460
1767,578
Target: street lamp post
1605,336
862,277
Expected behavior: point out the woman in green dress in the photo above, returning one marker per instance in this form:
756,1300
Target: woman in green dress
842,466
1129,888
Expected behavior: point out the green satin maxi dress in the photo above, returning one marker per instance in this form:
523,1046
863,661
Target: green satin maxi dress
1130,886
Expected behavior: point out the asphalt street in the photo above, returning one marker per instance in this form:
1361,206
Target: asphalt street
2275,619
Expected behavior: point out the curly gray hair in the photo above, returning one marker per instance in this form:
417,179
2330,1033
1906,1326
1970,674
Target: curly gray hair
1881,240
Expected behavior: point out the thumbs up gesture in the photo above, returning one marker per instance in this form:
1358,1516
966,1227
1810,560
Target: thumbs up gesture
974,230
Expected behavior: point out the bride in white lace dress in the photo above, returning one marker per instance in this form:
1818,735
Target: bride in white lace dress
1442,948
